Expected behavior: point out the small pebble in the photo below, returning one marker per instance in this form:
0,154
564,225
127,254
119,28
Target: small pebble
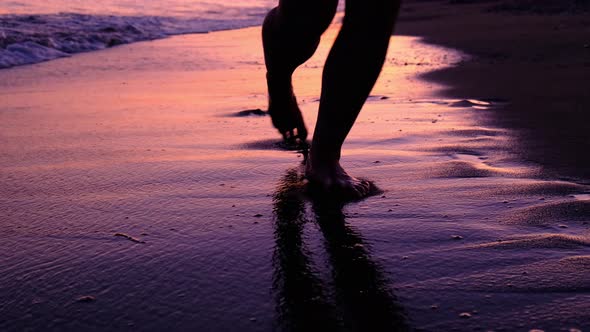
405,257
37,301
130,238
86,298
258,215
434,307
457,237
562,226
252,319
465,315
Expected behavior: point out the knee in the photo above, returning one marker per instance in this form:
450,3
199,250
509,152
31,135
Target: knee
372,11
325,13
371,17
312,19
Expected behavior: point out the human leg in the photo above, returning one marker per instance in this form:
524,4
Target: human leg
351,70
291,33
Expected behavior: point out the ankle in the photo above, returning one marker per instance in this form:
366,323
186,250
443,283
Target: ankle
323,158
279,85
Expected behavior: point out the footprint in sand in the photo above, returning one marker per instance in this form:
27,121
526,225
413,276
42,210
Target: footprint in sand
251,112
273,144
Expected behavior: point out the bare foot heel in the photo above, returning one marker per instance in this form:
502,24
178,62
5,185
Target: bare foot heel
284,111
330,178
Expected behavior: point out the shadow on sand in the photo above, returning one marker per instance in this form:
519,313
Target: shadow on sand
358,297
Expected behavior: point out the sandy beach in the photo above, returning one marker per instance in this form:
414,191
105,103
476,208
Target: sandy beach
535,55
135,196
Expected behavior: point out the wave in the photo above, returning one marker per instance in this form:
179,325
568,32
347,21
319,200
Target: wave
28,39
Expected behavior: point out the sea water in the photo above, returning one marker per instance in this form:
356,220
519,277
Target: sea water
32,31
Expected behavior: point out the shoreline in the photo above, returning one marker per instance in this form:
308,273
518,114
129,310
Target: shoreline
539,63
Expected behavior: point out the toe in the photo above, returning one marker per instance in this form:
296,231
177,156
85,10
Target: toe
302,132
366,185
362,188
357,193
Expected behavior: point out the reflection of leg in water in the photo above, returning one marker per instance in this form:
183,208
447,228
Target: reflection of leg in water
367,303
363,299
302,303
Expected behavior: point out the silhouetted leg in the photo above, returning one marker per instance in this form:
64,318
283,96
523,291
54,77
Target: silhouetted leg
351,70
290,34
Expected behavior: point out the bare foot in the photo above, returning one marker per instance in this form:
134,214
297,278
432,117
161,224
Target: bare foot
284,111
330,177
280,64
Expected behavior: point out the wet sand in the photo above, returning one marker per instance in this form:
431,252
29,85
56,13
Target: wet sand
533,54
133,197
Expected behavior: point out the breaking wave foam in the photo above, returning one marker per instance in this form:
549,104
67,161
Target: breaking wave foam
28,39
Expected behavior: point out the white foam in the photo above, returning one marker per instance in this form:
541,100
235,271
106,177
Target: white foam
26,53
26,39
